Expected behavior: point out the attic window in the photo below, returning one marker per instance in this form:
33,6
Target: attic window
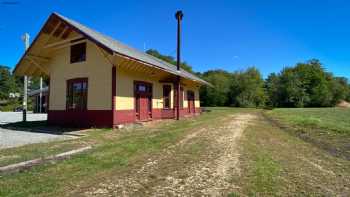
78,53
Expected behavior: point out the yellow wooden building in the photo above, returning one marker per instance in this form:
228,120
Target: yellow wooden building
95,80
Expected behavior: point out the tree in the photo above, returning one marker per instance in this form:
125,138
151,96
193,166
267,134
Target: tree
216,95
340,89
169,59
348,94
272,88
315,82
8,83
293,92
305,85
247,89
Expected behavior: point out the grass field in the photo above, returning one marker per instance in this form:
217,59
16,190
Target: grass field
113,151
224,152
334,120
276,163
328,128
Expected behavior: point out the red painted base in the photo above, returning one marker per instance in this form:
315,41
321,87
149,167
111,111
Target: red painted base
107,118
89,118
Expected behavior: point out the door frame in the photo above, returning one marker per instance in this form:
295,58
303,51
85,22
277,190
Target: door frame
148,94
191,102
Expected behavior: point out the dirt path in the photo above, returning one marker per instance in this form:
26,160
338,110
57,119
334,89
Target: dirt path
202,163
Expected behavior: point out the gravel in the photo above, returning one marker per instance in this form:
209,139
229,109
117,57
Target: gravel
13,138
10,117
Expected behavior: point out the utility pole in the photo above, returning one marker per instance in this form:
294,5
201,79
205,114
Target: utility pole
25,39
178,16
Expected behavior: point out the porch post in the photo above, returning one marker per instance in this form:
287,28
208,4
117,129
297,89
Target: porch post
114,94
178,91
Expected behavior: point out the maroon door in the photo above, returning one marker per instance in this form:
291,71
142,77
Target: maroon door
143,101
143,109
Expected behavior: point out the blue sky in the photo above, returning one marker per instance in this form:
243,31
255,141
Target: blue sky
230,35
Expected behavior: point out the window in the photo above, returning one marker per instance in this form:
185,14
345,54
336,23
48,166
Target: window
166,96
142,88
181,97
77,94
78,53
145,88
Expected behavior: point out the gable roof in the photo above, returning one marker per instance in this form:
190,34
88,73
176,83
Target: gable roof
119,48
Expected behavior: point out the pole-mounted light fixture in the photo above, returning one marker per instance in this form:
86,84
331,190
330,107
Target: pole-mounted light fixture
178,15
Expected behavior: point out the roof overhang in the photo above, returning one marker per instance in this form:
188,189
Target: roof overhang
61,30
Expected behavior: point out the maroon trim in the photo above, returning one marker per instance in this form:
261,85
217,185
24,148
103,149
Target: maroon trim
114,94
124,116
114,84
88,118
142,82
106,118
167,113
79,79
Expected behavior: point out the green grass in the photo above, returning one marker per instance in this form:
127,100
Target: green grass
275,163
336,120
272,162
28,152
327,128
265,174
112,153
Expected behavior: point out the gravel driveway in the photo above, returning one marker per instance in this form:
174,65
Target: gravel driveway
175,172
13,138
9,117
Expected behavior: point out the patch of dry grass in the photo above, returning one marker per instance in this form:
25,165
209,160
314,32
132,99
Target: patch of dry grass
276,163
326,128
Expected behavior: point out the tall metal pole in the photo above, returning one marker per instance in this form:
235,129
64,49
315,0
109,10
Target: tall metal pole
25,39
178,17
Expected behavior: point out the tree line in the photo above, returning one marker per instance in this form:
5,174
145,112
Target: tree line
303,85
306,84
